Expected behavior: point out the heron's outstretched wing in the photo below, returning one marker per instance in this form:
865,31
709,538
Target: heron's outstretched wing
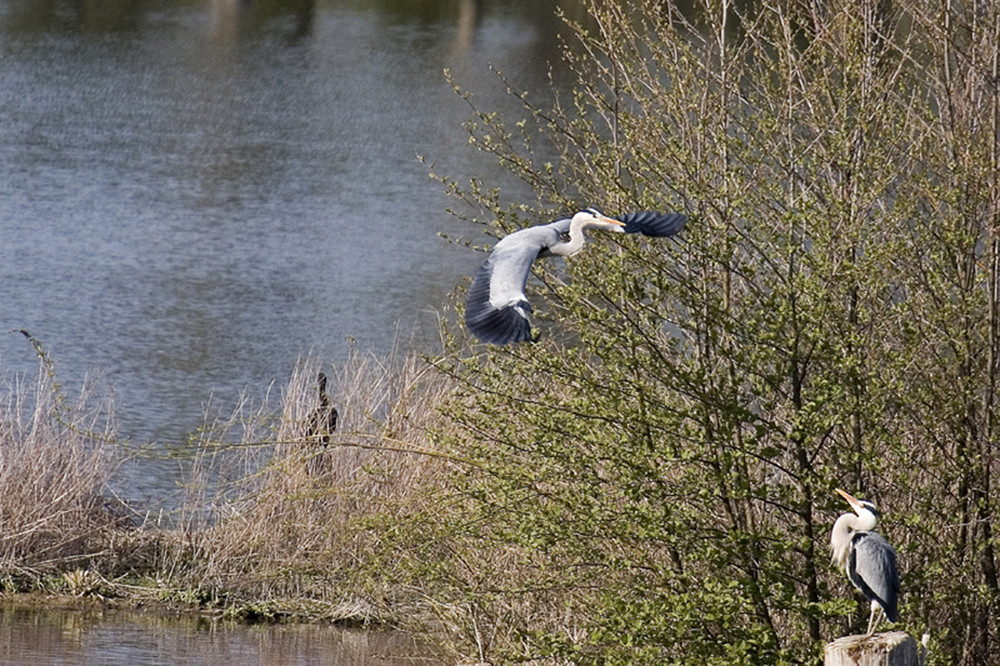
649,223
496,309
872,569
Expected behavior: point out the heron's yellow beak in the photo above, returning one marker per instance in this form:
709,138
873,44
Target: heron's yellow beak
855,504
612,221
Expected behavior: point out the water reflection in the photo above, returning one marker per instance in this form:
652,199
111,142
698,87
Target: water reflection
109,638
233,17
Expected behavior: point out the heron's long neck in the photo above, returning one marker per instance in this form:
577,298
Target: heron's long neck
844,530
575,242
840,539
864,521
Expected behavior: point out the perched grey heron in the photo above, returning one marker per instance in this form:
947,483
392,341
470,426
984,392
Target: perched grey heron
496,309
323,420
868,559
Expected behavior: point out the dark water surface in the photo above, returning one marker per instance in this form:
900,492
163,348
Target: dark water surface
195,193
66,638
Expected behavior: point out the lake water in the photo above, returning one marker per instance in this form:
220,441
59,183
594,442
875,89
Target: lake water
195,193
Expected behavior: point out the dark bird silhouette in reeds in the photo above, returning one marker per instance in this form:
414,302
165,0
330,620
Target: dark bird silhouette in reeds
323,420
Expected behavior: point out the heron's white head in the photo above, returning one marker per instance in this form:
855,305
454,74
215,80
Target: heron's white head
591,218
867,512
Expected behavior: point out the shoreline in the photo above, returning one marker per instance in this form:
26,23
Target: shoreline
40,601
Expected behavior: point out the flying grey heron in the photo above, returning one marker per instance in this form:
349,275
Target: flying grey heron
868,559
323,420
496,309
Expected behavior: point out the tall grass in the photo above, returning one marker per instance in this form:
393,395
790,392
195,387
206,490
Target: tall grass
285,519
56,459
277,521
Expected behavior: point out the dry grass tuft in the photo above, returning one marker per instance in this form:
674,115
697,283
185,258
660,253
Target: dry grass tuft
56,458
289,516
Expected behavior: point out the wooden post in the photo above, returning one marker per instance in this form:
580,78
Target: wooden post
892,648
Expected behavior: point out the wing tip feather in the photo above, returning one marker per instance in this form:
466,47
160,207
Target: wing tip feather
651,223
499,326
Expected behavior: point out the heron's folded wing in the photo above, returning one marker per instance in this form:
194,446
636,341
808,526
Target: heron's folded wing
872,569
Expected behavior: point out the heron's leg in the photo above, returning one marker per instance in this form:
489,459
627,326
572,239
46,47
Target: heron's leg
876,617
873,618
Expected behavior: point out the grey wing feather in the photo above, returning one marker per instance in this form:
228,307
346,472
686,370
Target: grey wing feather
555,232
496,309
559,226
499,325
649,223
872,569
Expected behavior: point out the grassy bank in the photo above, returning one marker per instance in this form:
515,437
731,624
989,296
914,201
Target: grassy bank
279,523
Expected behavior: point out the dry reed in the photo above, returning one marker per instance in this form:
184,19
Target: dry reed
278,521
56,458
290,517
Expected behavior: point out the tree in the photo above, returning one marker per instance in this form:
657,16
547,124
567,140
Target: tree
662,462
